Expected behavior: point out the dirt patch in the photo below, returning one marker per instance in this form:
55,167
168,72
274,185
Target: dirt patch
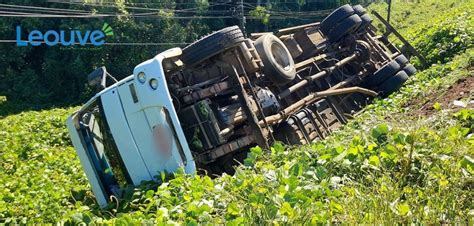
463,90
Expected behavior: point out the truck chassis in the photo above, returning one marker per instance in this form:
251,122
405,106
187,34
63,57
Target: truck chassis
339,66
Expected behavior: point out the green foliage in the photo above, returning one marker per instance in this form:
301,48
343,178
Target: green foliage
261,13
466,116
416,174
38,77
41,175
443,28
384,166
450,34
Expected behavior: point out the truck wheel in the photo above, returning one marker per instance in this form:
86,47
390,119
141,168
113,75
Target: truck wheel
278,65
409,69
394,83
366,21
347,26
383,73
335,17
359,10
402,60
211,45
289,134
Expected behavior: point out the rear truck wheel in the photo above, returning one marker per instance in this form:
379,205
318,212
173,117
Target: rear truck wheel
289,134
278,65
402,60
347,26
383,73
335,17
362,12
366,21
359,10
393,84
409,69
211,45
309,124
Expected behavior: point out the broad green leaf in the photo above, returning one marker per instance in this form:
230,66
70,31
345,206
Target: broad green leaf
336,207
467,163
374,160
380,130
403,209
287,210
233,209
437,106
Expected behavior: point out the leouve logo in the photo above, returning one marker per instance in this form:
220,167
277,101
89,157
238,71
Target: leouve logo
65,38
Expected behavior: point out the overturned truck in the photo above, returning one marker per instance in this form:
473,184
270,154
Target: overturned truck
203,107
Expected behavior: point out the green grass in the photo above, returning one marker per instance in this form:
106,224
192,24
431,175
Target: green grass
384,166
437,29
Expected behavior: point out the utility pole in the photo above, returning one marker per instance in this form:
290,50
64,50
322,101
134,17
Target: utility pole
267,7
389,9
242,16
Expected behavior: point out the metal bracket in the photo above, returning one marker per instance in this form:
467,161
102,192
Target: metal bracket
391,29
245,102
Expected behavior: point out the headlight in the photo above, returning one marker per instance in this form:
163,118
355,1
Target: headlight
141,77
153,83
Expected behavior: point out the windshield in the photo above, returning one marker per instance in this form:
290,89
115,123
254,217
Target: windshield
102,150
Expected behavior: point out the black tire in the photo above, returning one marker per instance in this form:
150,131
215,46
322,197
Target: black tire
409,69
289,134
211,45
347,26
366,21
359,10
402,60
335,17
383,73
393,84
278,65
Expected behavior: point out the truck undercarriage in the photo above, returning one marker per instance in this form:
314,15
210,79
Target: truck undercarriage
295,86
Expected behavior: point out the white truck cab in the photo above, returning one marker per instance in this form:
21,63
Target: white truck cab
129,132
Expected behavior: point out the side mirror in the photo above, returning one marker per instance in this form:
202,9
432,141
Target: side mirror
98,78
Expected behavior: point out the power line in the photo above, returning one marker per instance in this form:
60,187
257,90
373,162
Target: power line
134,7
177,3
62,11
8,14
112,43
143,15
37,7
14,13
38,10
138,15
57,12
247,5
86,14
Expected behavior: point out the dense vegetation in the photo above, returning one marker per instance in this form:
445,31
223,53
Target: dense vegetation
389,164
39,77
437,36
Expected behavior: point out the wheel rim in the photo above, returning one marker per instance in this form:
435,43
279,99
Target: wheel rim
280,56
